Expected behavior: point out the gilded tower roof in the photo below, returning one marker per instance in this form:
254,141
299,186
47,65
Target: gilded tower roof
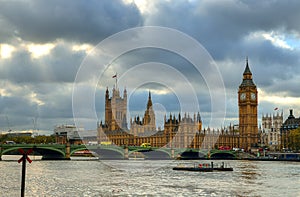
247,77
247,69
149,104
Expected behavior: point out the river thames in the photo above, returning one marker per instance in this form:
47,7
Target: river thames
149,178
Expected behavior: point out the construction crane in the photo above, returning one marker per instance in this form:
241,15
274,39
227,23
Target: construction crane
34,121
8,125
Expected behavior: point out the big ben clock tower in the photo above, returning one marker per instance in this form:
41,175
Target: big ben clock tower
248,128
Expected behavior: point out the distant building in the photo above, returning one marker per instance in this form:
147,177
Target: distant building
19,134
289,124
88,137
179,132
67,133
143,129
115,110
144,124
270,131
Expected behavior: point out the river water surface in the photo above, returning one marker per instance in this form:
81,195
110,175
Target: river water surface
149,178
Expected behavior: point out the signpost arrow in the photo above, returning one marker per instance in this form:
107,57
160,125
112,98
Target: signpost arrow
23,160
26,155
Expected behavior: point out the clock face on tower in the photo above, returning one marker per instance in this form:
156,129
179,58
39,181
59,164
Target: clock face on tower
253,96
243,96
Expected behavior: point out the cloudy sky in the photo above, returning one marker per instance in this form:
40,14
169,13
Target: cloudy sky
45,44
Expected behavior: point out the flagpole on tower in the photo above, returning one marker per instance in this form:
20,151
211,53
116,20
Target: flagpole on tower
116,76
116,81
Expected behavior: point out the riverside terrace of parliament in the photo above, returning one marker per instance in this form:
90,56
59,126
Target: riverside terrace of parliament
181,131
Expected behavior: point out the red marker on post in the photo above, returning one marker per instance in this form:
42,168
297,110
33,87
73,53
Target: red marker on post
23,160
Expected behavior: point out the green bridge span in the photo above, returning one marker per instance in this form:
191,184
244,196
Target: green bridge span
64,152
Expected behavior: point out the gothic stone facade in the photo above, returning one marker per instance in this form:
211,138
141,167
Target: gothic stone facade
270,131
180,132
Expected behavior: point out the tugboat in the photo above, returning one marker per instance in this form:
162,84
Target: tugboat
206,167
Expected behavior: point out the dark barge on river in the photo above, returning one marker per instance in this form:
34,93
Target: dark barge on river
204,167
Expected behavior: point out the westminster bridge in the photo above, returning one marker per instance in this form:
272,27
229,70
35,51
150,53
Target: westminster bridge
65,151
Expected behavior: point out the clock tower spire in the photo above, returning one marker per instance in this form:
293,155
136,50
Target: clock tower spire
247,101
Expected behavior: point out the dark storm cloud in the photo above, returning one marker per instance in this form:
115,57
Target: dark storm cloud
83,21
60,109
173,60
20,108
223,27
50,77
220,25
16,105
16,112
229,30
60,65
286,87
63,63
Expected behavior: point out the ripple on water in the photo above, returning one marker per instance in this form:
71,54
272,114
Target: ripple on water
151,178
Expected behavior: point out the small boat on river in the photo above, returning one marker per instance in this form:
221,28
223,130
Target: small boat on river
206,167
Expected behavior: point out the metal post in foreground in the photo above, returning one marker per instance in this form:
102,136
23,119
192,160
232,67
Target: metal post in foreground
23,160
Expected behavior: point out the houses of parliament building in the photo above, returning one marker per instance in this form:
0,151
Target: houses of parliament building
181,130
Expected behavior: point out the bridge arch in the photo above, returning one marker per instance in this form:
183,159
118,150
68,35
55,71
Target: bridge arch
192,154
44,151
108,152
77,149
222,155
95,148
152,153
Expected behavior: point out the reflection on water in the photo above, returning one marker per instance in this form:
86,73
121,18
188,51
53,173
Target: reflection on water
17,157
142,177
249,171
